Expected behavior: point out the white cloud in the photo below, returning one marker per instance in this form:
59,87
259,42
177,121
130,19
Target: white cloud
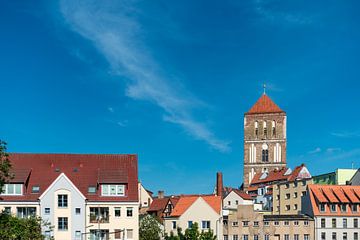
110,109
345,134
112,27
316,150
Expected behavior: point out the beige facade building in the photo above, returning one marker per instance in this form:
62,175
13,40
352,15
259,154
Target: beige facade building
249,224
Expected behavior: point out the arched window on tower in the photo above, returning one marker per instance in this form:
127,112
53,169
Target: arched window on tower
273,125
256,125
265,129
265,153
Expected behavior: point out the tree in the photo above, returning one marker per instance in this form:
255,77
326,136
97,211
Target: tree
192,233
150,228
5,165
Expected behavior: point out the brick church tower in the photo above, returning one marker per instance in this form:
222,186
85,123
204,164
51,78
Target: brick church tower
264,138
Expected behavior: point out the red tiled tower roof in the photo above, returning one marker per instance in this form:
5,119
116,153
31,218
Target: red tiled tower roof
264,105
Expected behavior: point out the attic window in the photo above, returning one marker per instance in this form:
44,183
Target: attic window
91,189
35,189
75,170
57,169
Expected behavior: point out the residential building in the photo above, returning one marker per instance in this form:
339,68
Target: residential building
264,139
82,195
355,180
249,224
335,210
205,210
236,198
339,177
145,198
162,206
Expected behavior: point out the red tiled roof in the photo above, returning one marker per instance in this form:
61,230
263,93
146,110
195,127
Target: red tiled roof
158,204
242,194
83,170
330,195
340,195
264,105
351,195
319,195
185,202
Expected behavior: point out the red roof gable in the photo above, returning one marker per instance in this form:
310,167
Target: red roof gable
242,194
264,105
185,202
158,204
83,170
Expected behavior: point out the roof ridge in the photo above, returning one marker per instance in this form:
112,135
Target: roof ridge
265,105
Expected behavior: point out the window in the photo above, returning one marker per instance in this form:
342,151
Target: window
266,223
354,207
286,237
343,207
245,237
235,224
273,125
287,196
129,212
173,224
333,207
190,223
306,236
7,210
91,189
101,234
356,236
295,206
117,212
295,184
256,237
295,195
356,223
296,223
47,211
205,224
24,212
267,237
276,223
77,234
62,200
286,223
35,189
322,223
287,185
235,237
256,129
77,211
277,197
62,223
296,236
333,236
12,189
333,223
117,234
99,214
113,190
265,129
287,207
265,155
323,236
322,207
344,235
237,202
344,223
47,234
306,223
303,193
245,223
226,237
129,234
256,224
229,203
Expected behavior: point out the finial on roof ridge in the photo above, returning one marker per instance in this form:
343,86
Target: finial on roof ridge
264,86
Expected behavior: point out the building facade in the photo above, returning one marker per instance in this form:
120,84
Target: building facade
339,177
335,210
264,139
83,196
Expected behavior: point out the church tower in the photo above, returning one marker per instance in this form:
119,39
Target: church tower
264,138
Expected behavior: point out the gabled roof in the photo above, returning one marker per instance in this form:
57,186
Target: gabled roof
83,170
264,105
242,194
186,201
158,204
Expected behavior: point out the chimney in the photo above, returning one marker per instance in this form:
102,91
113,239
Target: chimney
160,194
219,184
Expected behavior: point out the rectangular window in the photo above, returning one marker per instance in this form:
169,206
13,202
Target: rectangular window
235,224
287,196
256,237
286,237
101,234
333,223
77,211
356,236
306,236
344,235
235,237
35,189
117,212
24,212
62,223
287,207
322,223
266,223
276,223
333,236
245,223
356,223
354,207
296,237
323,236
7,210
77,234
343,208
306,223
295,206
296,223
190,223
129,212
92,189
267,237
256,224
117,234
226,237
322,207
129,234
99,215
12,189
62,200
245,237
113,190
173,224
333,207
205,224
47,211
344,223
286,223
295,195
303,193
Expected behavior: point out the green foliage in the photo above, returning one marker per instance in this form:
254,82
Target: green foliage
13,228
5,165
150,228
192,233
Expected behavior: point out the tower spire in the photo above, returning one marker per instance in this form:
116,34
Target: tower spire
264,86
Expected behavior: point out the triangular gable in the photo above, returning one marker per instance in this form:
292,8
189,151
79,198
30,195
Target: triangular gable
264,105
200,199
304,173
62,175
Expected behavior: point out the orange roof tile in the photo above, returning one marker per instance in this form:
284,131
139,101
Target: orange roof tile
351,195
264,105
330,195
242,194
357,192
319,195
185,202
340,194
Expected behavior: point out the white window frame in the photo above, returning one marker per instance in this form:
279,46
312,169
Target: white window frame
14,185
105,190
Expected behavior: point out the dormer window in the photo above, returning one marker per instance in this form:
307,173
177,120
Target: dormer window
12,189
322,207
35,189
112,190
92,189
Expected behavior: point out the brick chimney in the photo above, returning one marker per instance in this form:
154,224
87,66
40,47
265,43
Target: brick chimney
219,184
160,194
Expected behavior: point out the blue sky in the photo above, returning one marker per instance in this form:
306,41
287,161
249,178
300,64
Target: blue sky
171,80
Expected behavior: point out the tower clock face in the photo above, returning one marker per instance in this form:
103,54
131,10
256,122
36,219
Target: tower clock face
265,146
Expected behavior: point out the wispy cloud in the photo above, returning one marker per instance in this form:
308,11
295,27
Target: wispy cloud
316,150
345,134
269,10
114,30
110,109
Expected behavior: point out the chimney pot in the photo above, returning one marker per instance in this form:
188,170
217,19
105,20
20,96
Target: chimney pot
219,184
160,194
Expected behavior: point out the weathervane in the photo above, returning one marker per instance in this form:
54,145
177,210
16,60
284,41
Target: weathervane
264,86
